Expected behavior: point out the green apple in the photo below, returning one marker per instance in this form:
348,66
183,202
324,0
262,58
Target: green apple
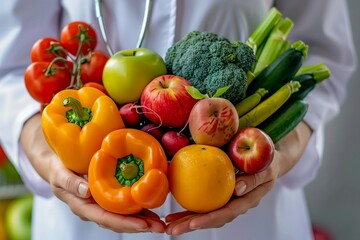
17,218
127,72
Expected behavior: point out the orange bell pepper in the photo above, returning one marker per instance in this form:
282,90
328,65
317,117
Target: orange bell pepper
76,122
129,172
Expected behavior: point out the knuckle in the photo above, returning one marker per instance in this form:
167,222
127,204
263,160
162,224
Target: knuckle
101,222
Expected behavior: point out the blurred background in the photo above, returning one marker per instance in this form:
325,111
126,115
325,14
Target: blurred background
334,196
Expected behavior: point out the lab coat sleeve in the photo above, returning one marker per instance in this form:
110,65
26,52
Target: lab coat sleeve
324,25
21,24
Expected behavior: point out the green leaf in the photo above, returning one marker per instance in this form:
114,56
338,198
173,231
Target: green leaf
195,93
221,91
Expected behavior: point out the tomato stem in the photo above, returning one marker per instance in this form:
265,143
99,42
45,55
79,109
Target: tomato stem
78,115
129,170
51,69
84,38
56,49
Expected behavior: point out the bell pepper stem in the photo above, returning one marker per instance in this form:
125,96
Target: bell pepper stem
129,169
78,114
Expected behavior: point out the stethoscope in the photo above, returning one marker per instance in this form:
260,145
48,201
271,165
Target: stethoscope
98,12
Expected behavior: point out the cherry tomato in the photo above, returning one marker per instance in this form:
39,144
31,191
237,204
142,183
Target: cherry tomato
3,157
46,49
41,87
72,33
96,85
92,70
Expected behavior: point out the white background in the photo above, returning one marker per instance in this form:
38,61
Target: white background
334,196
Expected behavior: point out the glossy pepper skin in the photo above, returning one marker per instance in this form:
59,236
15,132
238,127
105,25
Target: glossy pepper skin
73,144
149,191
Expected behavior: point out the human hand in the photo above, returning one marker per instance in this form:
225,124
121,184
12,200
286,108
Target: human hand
73,189
249,189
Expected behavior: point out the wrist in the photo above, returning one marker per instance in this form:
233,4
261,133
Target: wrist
291,147
35,146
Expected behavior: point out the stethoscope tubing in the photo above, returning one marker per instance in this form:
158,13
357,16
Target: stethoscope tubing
144,25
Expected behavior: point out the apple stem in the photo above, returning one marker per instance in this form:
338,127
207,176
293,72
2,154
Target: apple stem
244,148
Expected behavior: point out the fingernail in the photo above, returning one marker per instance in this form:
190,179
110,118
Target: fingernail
240,188
83,190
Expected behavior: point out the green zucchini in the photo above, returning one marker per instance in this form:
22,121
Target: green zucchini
281,70
268,107
307,82
285,119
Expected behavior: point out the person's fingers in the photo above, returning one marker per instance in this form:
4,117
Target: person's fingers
148,214
233,209
89,210
180,225
175,216
246,183
64,179
155,225
153,220
220,217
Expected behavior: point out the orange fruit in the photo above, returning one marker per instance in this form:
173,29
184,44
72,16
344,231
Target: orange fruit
201,178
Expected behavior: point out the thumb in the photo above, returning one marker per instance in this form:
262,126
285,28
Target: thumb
83,190
247,182
64,179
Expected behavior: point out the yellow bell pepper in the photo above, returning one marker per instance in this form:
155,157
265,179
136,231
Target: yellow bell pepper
76,122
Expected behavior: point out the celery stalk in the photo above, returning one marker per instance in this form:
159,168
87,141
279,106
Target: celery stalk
259,50
320,71
264,28
274,44
285,46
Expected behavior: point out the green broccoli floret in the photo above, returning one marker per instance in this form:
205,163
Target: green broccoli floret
246,58
202,55
176,50
230,75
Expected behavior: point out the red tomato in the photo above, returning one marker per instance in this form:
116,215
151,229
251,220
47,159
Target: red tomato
41,87
44,49
92,70
96,85
72,33
3,157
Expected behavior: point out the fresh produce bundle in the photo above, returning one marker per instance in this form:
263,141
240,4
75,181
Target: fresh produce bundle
141,126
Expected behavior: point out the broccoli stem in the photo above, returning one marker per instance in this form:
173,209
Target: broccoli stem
274,44
263,29
249,77
319,71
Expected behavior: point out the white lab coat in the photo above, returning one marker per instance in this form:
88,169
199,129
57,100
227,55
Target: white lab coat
282,214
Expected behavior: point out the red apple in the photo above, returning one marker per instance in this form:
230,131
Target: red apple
251,150
153,130
213,121
173,141
131,115
165,101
